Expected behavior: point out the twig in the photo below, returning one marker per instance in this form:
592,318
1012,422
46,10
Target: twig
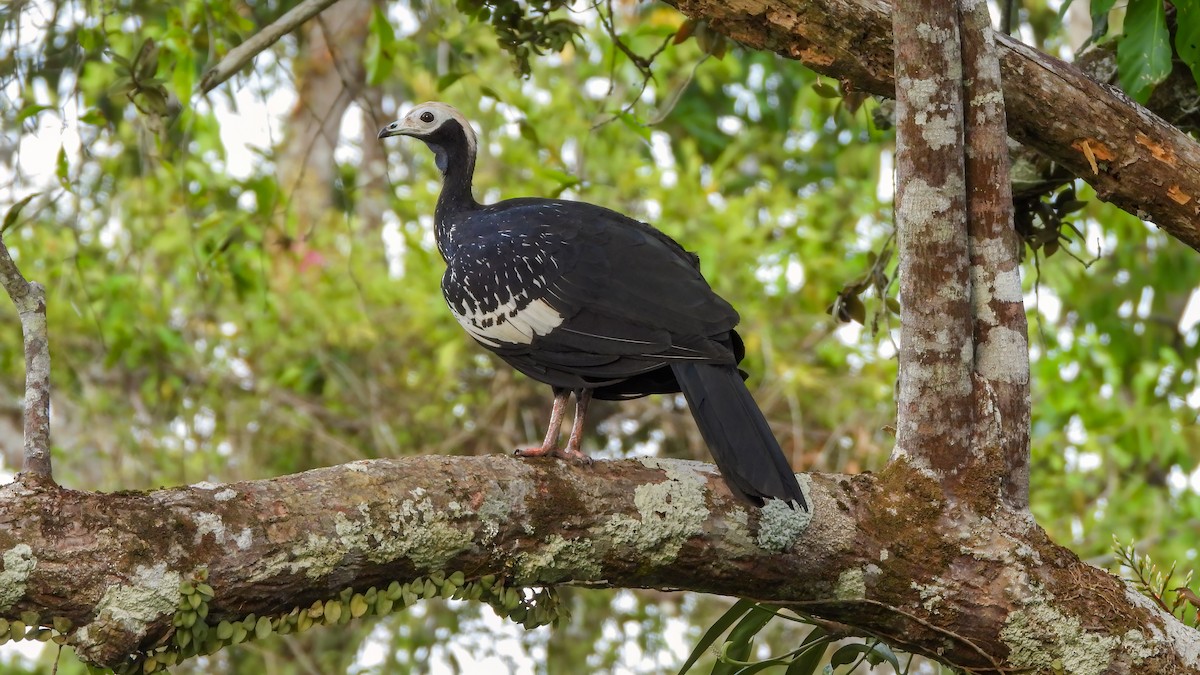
243,53
30,301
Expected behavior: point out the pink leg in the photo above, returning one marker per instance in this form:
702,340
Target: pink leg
550,445
582,398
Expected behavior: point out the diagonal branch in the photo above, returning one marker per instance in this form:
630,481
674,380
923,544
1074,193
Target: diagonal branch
1130,156
247,50
30,301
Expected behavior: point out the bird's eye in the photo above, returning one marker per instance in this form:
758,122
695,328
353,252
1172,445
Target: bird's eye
427,117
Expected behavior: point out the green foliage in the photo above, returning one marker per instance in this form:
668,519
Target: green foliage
1144,53
746,619
195,635
1174,597
1187,35
524,29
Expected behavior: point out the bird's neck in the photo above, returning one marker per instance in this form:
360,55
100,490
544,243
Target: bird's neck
458,167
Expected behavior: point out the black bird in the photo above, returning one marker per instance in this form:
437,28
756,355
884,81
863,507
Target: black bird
597,304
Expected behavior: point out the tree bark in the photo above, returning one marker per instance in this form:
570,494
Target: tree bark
329,76
997,468
883,553
933,394
1129,155
29,299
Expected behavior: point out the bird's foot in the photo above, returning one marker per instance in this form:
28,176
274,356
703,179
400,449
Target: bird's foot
568,453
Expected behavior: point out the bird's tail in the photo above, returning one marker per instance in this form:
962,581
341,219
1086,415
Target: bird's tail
737,434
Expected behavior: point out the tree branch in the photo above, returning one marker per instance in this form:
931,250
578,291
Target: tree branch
30,301
885,553
999,457
933,395
1130,156
247,50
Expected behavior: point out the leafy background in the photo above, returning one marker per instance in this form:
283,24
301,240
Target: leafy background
219,313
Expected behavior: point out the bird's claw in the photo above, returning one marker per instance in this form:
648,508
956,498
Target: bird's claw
568,454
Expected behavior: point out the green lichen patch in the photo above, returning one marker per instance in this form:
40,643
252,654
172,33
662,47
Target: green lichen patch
496,509
851,585
558,559
414,528
19,563
424,534
670,513
931,595
152,593
780,525
126,611
1040,636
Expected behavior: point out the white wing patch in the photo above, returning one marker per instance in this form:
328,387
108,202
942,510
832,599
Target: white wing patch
508,325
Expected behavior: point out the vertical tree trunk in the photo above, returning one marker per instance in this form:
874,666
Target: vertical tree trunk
998,465
329,76
935,412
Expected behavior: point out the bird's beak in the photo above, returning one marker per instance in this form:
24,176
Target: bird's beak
396,128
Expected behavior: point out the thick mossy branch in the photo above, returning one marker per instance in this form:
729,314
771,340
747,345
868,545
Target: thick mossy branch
122,577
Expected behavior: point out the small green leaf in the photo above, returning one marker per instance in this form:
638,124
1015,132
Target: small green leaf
62,167
740,638
715,631
358,605
528,132
444,82
31,110
810,654
633,123
849,654
14,211
879,653
1187,35
262,628
333,612
146,61
1102,6
825,90
1144,53
383,605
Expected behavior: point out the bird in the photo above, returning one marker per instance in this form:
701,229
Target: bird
597,305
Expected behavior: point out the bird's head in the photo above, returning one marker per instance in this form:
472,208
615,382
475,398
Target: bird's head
443,129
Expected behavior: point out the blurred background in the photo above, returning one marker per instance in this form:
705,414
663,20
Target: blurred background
243,284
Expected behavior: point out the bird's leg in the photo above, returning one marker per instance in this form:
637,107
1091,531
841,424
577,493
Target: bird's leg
572,451
550,445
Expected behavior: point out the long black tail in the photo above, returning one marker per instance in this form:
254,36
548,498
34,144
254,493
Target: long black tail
737,434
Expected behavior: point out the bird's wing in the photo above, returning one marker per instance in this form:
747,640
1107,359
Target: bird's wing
577,281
